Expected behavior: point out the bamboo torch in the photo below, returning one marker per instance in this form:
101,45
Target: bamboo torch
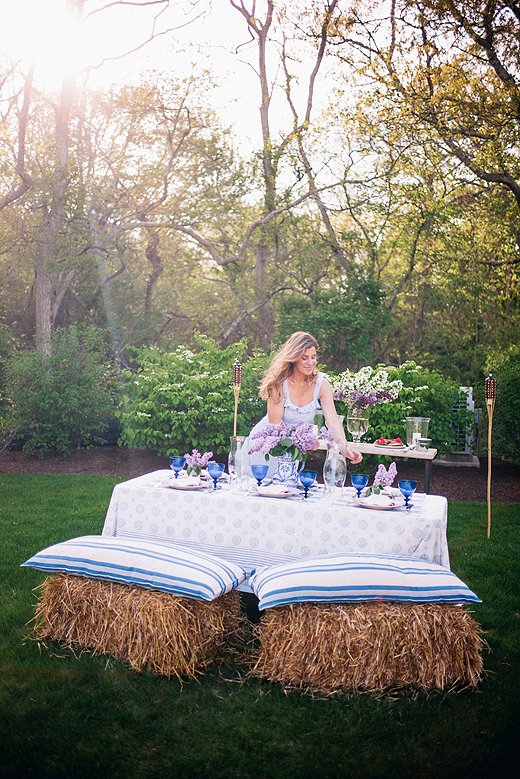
237,381
490,394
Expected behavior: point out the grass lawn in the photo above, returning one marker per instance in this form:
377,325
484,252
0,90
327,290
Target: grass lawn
63,715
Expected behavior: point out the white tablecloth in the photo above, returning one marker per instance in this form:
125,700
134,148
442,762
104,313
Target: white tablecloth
260,531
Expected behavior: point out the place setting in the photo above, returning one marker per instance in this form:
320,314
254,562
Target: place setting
381,496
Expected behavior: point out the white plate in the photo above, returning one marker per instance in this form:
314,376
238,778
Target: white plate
265,492
180,484
365,504
391,446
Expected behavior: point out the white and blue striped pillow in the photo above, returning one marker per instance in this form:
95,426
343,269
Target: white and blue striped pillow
177,570
348,577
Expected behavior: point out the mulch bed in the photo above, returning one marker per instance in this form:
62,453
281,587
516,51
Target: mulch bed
452,481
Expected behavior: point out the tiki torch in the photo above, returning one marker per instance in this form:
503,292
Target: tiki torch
237,381
490,393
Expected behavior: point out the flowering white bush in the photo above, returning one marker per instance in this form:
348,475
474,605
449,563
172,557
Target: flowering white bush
368,387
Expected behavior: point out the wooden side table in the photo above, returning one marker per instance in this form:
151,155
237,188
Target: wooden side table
428,455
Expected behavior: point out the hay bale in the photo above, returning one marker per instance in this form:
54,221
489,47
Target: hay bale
369,646
170,635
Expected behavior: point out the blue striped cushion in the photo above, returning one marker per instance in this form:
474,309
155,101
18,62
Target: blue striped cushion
348,577
175,570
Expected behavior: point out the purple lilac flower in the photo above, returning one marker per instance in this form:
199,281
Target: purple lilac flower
268,437
197,460
304,437
362,400
326,435
338,394
384,478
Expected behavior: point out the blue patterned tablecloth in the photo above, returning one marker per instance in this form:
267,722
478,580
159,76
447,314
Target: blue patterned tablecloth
259,531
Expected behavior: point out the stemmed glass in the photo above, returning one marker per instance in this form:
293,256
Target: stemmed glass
307,478
359,481
215,470
407,487
177,463
259,472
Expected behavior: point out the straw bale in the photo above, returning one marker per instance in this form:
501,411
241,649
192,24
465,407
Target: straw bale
170,635
369,646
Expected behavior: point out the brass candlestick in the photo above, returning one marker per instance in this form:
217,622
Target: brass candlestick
237,381
490,392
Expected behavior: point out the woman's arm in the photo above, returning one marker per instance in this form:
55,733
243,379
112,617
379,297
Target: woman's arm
275,407
333,423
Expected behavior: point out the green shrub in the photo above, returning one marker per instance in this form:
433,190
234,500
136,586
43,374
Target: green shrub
425,393
505,367
66,400
175,401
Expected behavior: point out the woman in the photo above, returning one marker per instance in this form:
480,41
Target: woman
295,391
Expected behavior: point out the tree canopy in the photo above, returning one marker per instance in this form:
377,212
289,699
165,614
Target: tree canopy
380,209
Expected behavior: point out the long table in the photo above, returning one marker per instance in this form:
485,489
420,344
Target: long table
258,531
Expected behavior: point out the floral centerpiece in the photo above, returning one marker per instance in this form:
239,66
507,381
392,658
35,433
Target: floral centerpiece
196,461
283,439
289,444
383,478
368,387
362,390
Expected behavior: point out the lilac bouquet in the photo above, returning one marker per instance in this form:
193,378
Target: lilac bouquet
383,478
196,461
368,387
277,440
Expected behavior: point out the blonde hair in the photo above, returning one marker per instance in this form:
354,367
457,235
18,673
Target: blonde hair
282,364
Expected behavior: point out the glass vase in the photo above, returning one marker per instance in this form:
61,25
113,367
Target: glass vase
357,423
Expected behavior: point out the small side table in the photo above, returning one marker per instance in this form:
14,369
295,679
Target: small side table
428,455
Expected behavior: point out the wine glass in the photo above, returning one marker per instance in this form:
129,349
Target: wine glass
177,463
359,481
307,478
407,487
215,470
259,472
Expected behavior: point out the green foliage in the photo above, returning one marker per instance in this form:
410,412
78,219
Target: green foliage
175,401
68,399
425,393
505,367
344,318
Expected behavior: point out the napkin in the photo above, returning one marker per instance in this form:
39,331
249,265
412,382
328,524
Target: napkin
274,489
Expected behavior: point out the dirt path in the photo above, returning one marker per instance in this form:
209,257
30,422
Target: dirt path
456,483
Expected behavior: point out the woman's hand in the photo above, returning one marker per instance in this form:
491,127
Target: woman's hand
352,455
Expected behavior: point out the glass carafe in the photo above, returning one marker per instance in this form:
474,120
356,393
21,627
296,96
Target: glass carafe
334,473
234,460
